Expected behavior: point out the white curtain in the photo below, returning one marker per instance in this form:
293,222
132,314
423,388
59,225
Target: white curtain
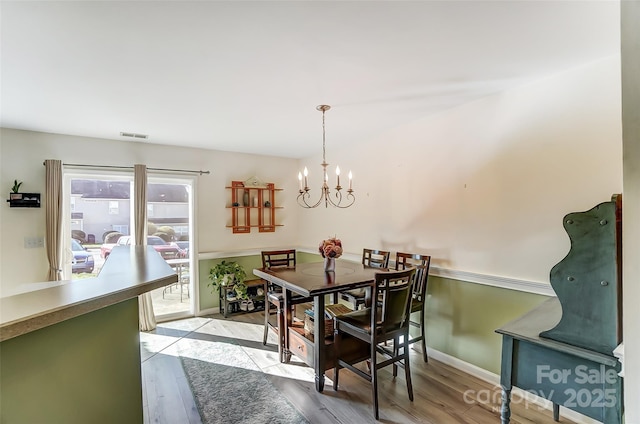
53,217
145,304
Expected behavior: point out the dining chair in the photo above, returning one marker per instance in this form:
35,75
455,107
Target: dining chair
371,258
274,298
385,320
419,296
184,284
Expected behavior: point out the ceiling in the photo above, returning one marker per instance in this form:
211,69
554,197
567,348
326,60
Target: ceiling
246,76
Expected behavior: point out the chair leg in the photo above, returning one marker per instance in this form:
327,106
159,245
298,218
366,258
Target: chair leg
407,371
287,321
395,355
424,336
281,336
280,330
374,380
267,312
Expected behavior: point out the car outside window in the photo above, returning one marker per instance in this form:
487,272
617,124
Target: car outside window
152,240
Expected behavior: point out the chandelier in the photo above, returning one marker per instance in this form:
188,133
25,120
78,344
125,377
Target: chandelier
334,199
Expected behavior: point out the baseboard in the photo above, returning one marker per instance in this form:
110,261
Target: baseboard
208,311
494,379
174,316
461,365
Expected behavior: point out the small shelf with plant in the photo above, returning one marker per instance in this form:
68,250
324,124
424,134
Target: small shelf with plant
236,293
22,200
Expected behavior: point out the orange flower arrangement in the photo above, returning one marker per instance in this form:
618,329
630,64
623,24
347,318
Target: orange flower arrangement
330,248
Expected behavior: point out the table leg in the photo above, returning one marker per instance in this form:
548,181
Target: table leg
506,378
505,411
288,321
318,337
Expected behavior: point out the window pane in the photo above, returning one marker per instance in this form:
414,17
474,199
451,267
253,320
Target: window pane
170,224
98,206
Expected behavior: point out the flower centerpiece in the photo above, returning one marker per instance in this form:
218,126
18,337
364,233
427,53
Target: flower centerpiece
330,249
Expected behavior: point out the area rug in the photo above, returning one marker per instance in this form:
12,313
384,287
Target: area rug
229,388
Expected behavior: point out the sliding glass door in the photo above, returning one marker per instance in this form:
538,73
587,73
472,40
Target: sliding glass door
169,217
99,216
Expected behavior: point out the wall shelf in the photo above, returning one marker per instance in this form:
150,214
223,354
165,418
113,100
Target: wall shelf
253,206
24,200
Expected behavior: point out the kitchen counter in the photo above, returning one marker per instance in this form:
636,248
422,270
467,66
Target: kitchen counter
73,347
129,272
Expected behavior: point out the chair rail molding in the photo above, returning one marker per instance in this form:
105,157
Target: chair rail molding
534,287
495,281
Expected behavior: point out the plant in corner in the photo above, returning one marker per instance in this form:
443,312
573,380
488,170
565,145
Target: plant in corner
226,274
16,186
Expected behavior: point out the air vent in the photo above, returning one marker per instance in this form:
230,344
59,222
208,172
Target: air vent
134,135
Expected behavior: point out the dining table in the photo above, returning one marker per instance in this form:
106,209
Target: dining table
311,280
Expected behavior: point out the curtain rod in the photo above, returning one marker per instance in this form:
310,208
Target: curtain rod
131,167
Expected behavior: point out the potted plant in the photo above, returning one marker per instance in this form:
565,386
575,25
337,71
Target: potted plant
15,191
229,273
16,186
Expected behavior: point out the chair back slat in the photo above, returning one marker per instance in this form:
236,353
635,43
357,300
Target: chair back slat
394,289
421,263
372,258
278,258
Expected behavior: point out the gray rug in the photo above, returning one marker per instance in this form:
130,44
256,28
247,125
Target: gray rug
229,388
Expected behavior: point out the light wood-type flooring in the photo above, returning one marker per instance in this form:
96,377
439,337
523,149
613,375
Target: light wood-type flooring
443,395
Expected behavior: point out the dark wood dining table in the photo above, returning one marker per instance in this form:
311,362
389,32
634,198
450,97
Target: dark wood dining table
311,280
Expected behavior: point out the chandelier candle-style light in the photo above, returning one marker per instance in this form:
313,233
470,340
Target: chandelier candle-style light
333,199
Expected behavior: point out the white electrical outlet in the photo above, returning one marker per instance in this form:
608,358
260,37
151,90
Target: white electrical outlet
33,242
29,243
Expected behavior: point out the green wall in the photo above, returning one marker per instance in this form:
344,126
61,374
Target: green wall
462,318
83,370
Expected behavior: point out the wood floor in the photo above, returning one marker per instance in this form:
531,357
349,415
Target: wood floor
442,394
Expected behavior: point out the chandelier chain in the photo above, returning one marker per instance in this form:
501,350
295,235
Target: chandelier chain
324,149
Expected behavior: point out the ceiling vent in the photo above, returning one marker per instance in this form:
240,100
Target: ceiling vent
134,135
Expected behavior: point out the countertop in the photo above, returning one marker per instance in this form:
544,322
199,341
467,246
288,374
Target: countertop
129,272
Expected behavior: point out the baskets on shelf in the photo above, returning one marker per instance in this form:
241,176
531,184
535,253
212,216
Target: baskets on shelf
308,327
330,312
335,309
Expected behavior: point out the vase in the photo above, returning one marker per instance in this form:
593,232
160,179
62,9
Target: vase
329,264
245,198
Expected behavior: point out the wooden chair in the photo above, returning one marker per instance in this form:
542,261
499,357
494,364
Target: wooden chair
386,320
421,263
274,299
371,258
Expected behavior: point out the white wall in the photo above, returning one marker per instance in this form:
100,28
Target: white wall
484,187
22,154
